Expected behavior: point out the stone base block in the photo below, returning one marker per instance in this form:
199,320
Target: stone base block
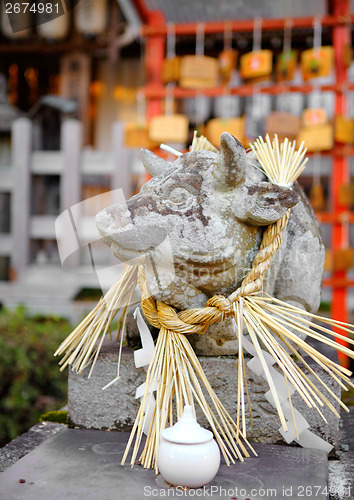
116,407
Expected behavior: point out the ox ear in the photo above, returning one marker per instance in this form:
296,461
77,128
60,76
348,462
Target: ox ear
268,203
232,167
154,165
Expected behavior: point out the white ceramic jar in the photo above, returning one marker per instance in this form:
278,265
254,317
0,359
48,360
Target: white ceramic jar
188,455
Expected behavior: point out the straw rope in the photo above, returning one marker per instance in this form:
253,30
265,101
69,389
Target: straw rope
271,241
217,307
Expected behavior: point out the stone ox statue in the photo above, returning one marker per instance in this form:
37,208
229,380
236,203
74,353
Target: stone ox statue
197,226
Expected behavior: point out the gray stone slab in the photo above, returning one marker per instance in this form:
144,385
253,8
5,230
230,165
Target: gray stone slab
80,464
341,472
116,407
23,444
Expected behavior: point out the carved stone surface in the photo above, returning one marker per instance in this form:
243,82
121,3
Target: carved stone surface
197,226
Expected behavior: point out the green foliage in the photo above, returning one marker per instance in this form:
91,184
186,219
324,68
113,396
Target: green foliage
58,416
348,397
31,382
325,307
91,294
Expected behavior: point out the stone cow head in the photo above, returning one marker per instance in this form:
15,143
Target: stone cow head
209,206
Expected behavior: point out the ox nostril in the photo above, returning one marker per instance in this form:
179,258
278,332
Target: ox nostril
103,223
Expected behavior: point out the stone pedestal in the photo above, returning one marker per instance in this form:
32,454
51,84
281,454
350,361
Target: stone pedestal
116,407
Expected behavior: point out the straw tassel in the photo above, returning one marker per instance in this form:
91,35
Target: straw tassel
80,348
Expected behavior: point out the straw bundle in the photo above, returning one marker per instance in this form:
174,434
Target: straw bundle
281,164
175,369
83,345
202,144
179,377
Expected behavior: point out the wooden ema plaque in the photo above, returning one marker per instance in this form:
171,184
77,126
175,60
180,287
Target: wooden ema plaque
173,128
198,72
216,126
317,62
256,64
283,124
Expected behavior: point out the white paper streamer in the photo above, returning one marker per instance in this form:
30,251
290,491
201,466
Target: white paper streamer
142,358
307,439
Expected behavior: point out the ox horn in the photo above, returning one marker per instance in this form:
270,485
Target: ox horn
233,160
154,165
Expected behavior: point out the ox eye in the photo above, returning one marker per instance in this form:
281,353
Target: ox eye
179,195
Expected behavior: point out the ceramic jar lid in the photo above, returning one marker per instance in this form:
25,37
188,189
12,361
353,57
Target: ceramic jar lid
187,430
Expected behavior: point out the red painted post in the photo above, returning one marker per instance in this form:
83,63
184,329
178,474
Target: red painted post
341,172
154,57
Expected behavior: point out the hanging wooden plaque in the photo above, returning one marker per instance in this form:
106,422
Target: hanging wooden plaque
216,126
198,72
256,64
169,128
